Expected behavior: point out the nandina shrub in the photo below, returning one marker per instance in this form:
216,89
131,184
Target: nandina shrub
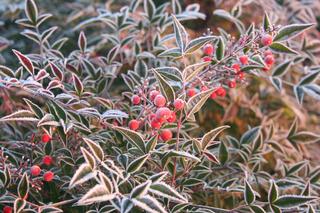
118,131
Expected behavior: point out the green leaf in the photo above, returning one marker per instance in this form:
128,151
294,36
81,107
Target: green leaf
149,8
249,195
296,168
197,43
223,153
140,190
305,137
165,87
95,149
310,78
299,93
266,22
276,82
313,90
23,186
250,136
88,157
82,42
96,194
290,31
31,11
173,153
137,163
273,192
211,135
83,174
77,85
281,48
166,191
293,201
19,205
180,34
192,70
196,102
257,209
7,71
34,108
220,49
133,137
281,69
173,52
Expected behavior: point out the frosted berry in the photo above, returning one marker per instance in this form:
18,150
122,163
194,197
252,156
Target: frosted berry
266,68
232,84
47,160
208,49
221,92
135,99
35,170
134,124
48,176
244,59
166,135
155,124
163,113
240,75
267,52
7,209
206,59
266,40
45,138
213,95
172,118
269,60
191,92
159,101
153,94
178,104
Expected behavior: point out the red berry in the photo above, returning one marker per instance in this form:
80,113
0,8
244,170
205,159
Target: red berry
204,88
35,170
267,52
7,209
178,104
153,94
221,92
159,101
213,95
266,68
236,67
47,160
134,124
48,176
244,59
155,124
191,92
232,84
208,49
240,75
135,99
172,118
206,59
163,113
166,135
45,138
266,40
269,60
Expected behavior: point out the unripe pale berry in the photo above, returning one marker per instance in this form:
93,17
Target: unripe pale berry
206,59
153,94
166,135
213,95
45,138
7,209
135,99
155,124
134,124
232,84
159,101
266,40
236,67
208,49
269,60
244,59
191,92
47,160
35,170
163,113
48,176
178,104
221,92
172,118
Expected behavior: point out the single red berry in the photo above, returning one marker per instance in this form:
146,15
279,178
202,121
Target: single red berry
155,124
213,95
206,59
47,160
266,40
221,92
45,138
153,94
241,75
208,49
48,176
178,104
267,52
159,101
166,135
35,170
134,124
172,118
232,84
191,92
269,60
7,209
135,99
244,59
236,67
266,68
163,113
204,88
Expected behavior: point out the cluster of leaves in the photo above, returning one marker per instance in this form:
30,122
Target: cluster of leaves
101,165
